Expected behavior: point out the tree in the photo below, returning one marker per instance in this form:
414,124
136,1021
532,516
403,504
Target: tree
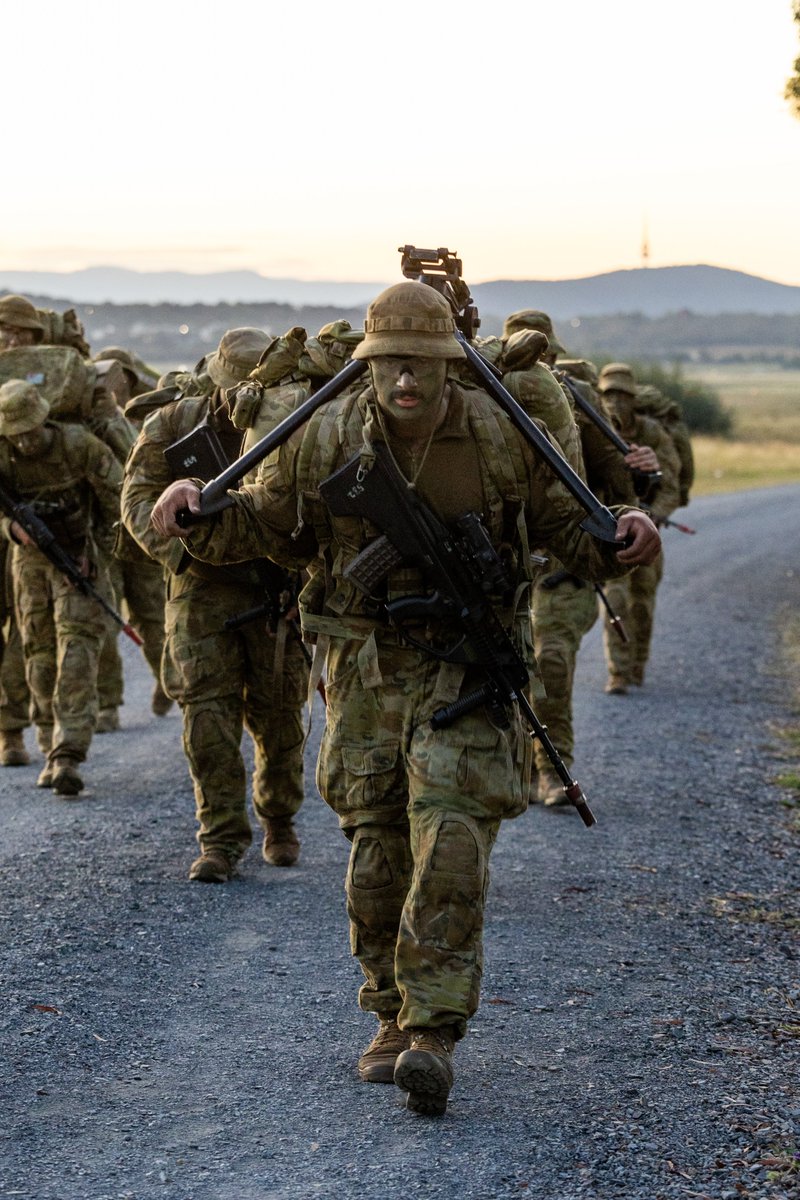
792,91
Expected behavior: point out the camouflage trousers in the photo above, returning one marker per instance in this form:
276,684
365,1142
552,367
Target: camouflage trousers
61,632
633,598
15,696
422,809
140,587
15,699
225,682
562,615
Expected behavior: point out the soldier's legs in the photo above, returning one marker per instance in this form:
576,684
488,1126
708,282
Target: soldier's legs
143,587
644,585
204,670
378,878
619,654
212,735
439,956
380,760
561,616
15,695
276,682
34,617
110,679
80,627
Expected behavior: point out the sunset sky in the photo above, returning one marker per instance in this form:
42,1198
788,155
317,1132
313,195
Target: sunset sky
312,140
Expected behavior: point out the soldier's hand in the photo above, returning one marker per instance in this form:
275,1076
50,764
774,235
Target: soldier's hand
642,458
644,537
19,535
181,494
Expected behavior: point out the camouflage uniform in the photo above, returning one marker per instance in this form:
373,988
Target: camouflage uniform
634,598
223,681
20,324
564,605
74,482
420,807
15,697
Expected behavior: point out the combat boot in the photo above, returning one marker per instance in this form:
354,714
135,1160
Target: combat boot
551,790
281,847
617,685
212,866
45,779
160,702
377,1063
66,779
12,749
107,720
425,1071
637,674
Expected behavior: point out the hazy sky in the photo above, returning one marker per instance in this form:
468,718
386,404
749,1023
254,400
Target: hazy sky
312,139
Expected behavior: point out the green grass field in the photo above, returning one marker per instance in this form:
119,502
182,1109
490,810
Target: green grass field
765,446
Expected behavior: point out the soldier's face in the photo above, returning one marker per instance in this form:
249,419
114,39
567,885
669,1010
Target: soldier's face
32,443
411,392
622,407
12,337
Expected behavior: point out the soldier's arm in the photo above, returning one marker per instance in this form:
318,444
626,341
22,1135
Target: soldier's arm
668,496
262,521
146,476
555,516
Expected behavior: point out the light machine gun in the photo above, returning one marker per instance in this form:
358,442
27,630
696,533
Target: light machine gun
462,567
442,270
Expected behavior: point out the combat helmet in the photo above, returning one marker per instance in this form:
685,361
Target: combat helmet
21,314
238,353
533,318
409,320
22,408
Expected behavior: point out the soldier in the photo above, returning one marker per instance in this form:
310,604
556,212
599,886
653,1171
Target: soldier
421,807
223,679
564,606
74,480
134,576
634,598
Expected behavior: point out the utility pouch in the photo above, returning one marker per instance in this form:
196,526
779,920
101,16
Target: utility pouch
198,455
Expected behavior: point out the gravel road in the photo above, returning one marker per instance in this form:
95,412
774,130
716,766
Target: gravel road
639,1032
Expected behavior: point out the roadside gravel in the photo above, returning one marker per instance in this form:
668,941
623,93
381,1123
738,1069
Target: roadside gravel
639,1032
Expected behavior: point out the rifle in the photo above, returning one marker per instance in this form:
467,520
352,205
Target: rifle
614,619
463,568
39,533
643,481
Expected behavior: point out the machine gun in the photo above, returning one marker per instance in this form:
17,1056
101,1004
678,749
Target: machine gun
442,269
462,567
45,540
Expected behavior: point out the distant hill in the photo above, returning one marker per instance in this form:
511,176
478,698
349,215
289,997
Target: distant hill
652,292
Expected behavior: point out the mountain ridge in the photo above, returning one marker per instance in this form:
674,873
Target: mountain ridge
651,291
